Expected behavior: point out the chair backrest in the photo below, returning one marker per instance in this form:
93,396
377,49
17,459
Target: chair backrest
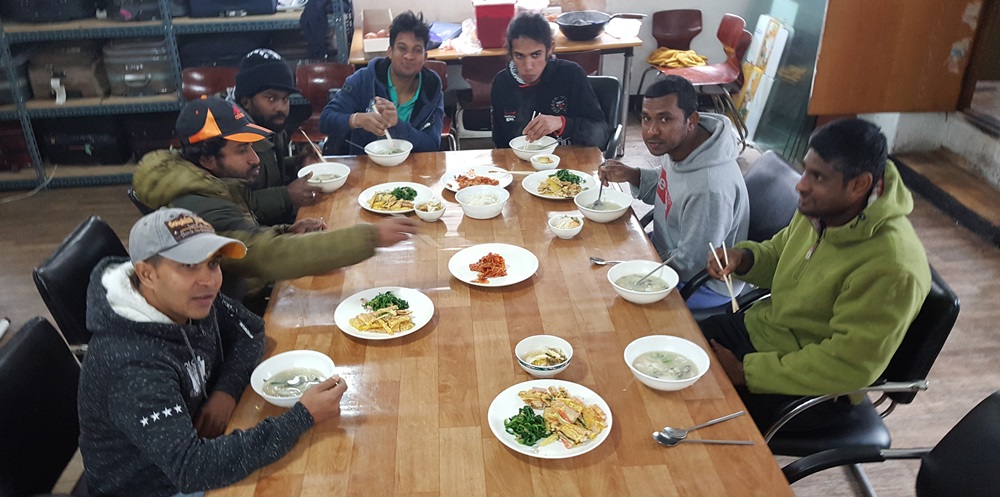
924,338
608,91
676,28
62,280
479,73
143,208
197,82
589,60
316,80
441,68
771,190
964,462
38,382
733,36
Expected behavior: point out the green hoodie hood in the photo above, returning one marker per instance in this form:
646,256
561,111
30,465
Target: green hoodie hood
164,176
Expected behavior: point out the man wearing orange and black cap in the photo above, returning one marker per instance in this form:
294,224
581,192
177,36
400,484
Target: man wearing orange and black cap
211,177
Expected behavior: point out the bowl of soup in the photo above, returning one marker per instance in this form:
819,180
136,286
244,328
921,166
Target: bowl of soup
614,204
283,378
388,154
664,362
525,150
329,176
626,278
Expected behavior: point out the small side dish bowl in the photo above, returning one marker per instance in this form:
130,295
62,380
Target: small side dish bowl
382,154
544,162
525,150
284,361
666,273
565,220
429,210
615,204
537,345
666,343
329,176
472,201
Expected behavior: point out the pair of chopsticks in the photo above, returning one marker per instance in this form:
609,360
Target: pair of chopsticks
319,152
728,279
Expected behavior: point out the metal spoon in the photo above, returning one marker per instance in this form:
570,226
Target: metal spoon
600,191
657,268
681,433
668,441
597,261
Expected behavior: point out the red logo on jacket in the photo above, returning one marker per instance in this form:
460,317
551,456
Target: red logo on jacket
663,192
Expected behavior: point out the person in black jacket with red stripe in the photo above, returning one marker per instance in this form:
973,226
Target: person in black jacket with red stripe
539,95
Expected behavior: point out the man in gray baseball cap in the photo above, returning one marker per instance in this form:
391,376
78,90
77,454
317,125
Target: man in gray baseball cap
168,360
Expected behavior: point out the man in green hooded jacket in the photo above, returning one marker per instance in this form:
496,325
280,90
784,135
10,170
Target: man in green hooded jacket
847,275
212,176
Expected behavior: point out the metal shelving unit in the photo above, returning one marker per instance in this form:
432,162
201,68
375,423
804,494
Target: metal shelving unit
25,110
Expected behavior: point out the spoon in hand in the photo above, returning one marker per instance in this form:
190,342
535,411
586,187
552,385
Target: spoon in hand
668,441
600,192
601,262
681,433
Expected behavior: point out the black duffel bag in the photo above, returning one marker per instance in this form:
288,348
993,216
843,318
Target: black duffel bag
232,8
51,10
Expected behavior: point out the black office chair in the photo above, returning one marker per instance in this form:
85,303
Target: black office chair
143,208
608,90
773,200
38,381
62,280
904,376
964,462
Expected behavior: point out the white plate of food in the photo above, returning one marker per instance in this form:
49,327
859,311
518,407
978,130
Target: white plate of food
518,263
382,323
565,184
382,199
589,429
455,181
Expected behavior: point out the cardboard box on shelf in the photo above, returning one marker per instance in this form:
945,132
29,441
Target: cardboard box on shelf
376,20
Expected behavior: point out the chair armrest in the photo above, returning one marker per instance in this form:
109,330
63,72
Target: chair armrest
693,284
805,403
832,458
616,138
743,301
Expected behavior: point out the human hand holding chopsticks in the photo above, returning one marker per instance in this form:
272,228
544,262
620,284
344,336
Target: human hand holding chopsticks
542,125
724,275
737,260
387,110
616,172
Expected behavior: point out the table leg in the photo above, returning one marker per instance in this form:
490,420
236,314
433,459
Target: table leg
626,75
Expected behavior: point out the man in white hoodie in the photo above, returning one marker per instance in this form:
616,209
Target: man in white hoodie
697,192
169,358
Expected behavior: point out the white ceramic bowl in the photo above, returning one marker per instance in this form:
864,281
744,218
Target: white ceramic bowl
538,162
338,170
536,343
377,149
465,195
564,233
286,360
587,198
429,215
543,145
666,273
666,343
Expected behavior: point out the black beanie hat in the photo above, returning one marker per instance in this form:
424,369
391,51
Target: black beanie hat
260,70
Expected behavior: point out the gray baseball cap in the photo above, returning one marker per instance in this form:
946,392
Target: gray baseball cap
181,236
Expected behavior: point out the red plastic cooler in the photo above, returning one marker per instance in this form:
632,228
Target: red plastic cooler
492,18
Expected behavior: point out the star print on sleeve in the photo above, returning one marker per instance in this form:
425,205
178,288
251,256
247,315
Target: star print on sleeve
155,415
167,412
144,421
177,409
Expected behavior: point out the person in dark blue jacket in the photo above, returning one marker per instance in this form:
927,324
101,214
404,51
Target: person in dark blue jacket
395,94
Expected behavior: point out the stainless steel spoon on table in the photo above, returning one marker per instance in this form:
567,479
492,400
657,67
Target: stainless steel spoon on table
681,433
668,441
601,262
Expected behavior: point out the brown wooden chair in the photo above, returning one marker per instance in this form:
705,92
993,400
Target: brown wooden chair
447,130
479,72
673,29
197,82
315,82
589,60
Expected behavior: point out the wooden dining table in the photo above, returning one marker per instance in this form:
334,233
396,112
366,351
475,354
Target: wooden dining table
414,418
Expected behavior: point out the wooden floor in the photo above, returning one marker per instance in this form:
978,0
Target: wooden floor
964,374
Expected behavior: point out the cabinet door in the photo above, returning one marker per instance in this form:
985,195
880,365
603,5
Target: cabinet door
893,55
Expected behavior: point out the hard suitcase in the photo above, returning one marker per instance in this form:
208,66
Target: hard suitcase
139,67
84,140
74,70
52,10
20,62
148,132
223,49
232,8
14,154
145,10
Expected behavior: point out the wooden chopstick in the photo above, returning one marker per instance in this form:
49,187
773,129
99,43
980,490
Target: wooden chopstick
314,147
727,278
